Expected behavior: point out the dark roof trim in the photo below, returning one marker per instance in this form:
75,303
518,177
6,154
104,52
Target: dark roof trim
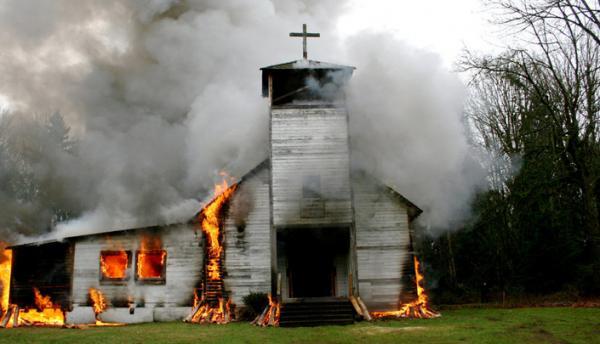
413,210
109,232
307,64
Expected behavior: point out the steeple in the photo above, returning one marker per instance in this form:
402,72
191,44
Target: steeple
304,81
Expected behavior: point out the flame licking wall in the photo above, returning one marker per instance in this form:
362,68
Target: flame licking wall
213,305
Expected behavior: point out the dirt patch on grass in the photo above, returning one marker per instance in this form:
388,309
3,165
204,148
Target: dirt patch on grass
547,337
376,330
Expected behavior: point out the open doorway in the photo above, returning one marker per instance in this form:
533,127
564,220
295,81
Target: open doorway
315,261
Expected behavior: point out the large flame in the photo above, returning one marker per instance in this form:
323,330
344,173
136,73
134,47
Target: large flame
114,264
209,314
211,228
210,217
419,308
47,313
5,269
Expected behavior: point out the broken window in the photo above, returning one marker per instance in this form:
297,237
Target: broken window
151,266
114,265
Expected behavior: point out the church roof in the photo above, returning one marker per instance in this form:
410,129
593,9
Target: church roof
413,210
307,64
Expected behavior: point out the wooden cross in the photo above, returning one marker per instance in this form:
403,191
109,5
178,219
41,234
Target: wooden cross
304,35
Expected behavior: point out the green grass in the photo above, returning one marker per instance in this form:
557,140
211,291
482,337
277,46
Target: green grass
523,325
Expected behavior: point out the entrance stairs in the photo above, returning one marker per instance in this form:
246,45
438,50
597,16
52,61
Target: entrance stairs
316,312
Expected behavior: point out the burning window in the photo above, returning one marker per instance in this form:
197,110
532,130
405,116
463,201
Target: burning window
151,266
114,265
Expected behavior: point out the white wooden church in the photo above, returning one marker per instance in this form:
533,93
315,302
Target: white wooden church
301,226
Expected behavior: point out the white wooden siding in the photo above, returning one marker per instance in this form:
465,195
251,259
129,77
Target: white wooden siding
184,266
382,244
248,252
308,142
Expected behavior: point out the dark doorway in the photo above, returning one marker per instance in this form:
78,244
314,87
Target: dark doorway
47,267
311,270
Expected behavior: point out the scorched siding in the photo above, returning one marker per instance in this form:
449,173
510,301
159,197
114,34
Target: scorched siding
247,238
310,142
183,270
382,244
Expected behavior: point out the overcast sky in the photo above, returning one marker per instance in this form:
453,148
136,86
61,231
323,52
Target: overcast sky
441,26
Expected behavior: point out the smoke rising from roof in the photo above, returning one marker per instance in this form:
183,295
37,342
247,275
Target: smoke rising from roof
161,95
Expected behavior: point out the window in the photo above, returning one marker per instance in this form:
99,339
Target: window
151,266
312,204
311,187
114,266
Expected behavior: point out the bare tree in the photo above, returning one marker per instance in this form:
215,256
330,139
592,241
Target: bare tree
557,64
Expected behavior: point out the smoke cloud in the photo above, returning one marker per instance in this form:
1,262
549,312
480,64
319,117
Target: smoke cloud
154,98
406,122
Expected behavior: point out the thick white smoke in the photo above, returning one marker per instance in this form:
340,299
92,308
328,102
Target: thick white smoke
161,95
406,118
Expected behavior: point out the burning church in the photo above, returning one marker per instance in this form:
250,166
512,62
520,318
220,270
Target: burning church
324,241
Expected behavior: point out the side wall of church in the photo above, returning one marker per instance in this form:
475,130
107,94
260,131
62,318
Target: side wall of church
382,244
183,268
247,238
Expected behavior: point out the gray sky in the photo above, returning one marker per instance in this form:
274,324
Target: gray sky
441,26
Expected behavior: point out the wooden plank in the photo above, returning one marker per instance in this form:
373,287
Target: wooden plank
383,241
307,142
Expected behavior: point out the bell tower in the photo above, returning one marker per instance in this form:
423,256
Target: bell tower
311,197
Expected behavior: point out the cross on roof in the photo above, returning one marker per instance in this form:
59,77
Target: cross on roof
304,35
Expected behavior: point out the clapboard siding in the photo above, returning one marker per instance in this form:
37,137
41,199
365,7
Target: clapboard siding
382,244
247,238
183,272
310,142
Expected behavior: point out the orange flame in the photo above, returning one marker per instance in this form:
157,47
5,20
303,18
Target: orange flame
271,316
150,264
211,227
114,264
47,313
216,315
151,259
419,308
99,305
98,302
5,270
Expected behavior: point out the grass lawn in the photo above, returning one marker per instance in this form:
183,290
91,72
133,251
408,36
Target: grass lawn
523,325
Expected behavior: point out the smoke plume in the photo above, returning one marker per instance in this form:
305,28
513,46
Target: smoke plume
122,113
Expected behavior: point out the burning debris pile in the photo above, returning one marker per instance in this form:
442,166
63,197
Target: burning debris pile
270,316
419,308
211,306
46,313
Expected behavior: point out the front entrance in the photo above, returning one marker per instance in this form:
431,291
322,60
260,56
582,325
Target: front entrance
315,261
